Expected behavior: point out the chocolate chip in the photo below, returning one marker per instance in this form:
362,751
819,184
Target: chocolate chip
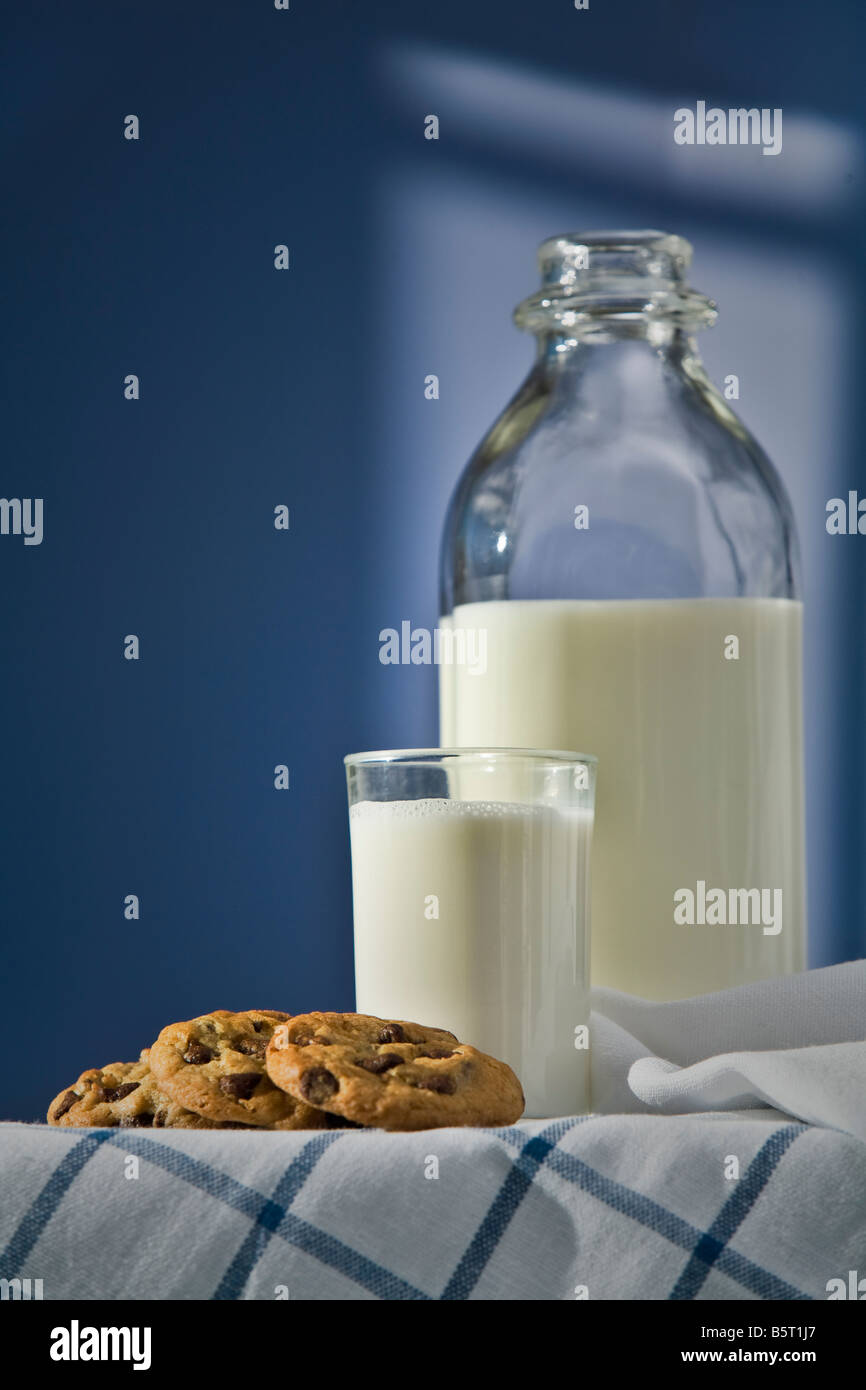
340,1122
65,1105
257,1024
197,1054
252,1047
240,1085
442,1085
383,1062
438,1053
109,1094
318,1085
392,1032
142,1121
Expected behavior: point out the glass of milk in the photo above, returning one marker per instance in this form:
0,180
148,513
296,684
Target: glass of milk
470,875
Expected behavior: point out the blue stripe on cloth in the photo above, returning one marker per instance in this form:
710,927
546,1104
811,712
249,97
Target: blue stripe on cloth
665,1223
743,1197
264,1211
234,1281
346,1261
756,1279
501,1211
43,1206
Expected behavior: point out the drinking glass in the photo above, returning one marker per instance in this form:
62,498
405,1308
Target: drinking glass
470,873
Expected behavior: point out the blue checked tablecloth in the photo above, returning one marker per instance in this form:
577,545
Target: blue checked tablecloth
611,1207
755,1188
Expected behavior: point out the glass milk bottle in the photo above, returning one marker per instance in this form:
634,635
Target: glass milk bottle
625,553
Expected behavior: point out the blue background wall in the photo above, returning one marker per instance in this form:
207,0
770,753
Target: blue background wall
305,388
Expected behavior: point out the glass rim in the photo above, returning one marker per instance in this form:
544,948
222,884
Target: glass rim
424,756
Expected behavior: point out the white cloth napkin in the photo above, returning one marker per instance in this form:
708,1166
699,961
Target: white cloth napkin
796,1045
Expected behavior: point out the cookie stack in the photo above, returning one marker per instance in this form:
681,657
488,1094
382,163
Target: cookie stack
262,1069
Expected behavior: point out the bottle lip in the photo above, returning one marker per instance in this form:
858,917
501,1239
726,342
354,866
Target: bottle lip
656,254
593,279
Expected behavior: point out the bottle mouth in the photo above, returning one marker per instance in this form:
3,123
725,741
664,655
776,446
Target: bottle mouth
590,280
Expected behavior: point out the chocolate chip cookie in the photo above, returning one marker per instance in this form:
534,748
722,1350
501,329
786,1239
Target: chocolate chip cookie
393,1075
215,1066
122,1094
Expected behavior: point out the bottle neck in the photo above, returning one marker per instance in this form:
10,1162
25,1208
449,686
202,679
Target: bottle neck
610,289
558,351
620,377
